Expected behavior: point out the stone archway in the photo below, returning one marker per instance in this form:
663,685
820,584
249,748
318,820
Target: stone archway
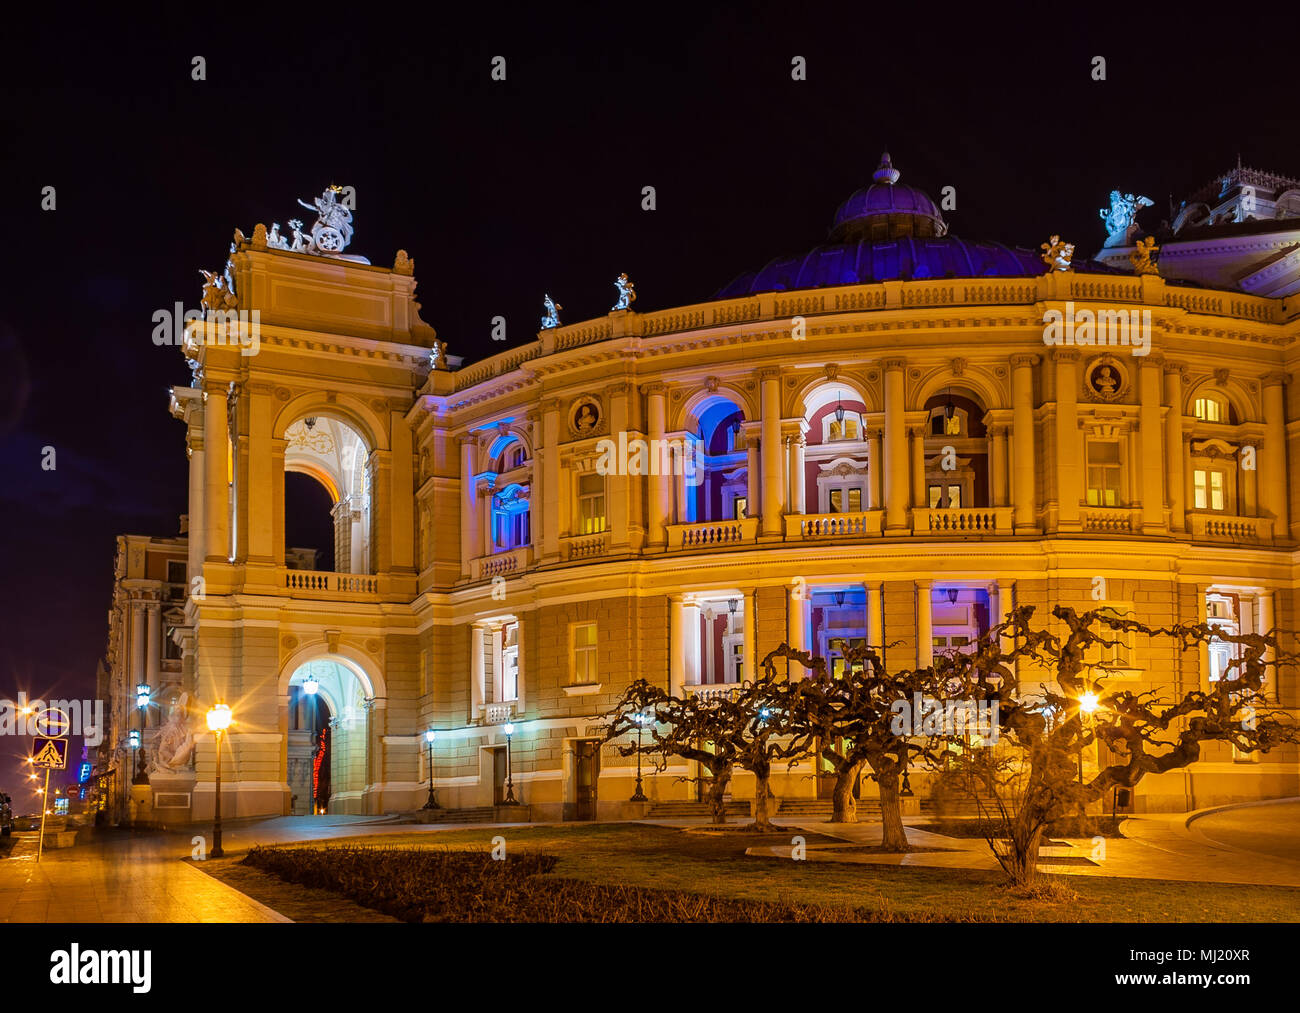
328,736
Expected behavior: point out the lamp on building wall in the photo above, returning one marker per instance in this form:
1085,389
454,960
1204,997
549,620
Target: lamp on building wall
429,736
839,406
510,799
839,599
218,722
309,423
949,410
952,596
142,695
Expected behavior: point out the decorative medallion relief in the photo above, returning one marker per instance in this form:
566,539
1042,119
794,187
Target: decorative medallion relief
1105,379
586,417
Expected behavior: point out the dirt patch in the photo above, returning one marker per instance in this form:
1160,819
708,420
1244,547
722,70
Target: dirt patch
298,903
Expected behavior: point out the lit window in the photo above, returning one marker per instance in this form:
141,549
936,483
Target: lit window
1211,409
741,504
1208,489
1103,474
510,662
591,504
584,653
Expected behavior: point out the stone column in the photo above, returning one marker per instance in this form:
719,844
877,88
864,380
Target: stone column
749,660
477,673
919,498
197,536
1263,626
875,635
217,455
998,465
773,478
796,469
924,624
1069,466
1150,371
796,630
154,646
1022,435
691,642
895,449
660,490
676,644
551,503
619,487
751,432
1272,456
468,504
1175,451
261,482
136,666
875,468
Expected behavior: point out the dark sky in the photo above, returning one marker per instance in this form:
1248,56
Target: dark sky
504,190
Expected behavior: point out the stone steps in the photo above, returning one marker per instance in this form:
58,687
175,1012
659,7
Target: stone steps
687,810
476,814
823,808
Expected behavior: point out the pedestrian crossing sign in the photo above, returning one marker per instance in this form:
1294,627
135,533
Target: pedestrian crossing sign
48,752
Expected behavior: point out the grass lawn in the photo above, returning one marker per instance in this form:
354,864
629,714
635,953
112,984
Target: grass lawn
667,858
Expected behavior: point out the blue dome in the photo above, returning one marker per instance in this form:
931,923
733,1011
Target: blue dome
887,209
891,232
866,262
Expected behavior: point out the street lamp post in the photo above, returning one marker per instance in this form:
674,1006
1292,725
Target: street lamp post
218,722
1087,704
429,736
510,799
141,776
640,720
310,686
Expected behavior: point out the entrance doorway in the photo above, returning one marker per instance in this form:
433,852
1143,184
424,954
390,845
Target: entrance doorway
498,775
586,776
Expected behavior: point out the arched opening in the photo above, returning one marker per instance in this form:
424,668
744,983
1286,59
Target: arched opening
327,739
334,457
956,452
717,490
837,461
512,498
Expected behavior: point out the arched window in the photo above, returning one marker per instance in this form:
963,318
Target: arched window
1211,408
511,525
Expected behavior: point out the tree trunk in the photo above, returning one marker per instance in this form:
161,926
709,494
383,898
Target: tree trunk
1026,832
891,812
764,803
717,794
845,806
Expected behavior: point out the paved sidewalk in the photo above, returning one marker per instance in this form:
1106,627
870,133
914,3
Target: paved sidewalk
1159,846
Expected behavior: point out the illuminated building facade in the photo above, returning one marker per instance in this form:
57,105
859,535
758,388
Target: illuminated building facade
878,440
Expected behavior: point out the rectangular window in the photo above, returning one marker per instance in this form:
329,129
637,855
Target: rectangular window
936,496
583,665
855,501
510,662
175,571
954,497
1208,488
1209,410
1103,474
741,504
837,501
591,504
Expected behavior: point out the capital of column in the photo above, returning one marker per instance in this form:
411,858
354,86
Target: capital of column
617,388
1065,355
893,365
1275,379
1174,367
924,585
550,404
1024,359
655,387
467,440
766,373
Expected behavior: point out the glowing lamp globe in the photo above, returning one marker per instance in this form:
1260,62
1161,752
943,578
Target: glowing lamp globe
430,735
508,728
219,718
310,686
1088,703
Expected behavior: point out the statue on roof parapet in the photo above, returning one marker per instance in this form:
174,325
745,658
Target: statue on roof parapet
1121,217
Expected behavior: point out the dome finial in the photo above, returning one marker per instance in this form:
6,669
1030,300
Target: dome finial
885,172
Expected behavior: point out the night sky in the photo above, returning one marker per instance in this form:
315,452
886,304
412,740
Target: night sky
501,191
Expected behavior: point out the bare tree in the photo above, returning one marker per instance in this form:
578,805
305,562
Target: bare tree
1147,733
745,726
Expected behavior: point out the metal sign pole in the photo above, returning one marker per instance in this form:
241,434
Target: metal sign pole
45,797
